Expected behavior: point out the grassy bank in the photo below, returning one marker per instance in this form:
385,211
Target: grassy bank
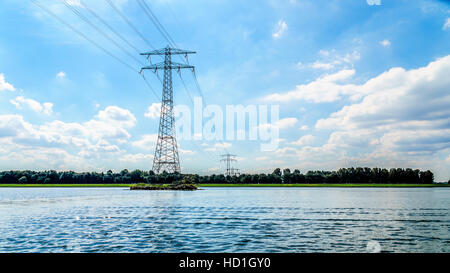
230,185
64,185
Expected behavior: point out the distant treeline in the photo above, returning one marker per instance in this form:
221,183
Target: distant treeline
342,176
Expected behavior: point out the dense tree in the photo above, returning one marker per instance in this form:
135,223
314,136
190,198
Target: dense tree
277,172
344,175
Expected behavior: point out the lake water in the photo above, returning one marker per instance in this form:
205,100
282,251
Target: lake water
225,220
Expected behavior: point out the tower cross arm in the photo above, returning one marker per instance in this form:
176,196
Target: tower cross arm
171,65
167,50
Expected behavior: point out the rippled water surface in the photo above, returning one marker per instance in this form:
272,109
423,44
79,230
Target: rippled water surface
224,220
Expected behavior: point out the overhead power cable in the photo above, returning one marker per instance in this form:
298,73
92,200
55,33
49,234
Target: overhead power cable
109,26
62,21
146,7
150,87
84,36
85,19
185,88
129,23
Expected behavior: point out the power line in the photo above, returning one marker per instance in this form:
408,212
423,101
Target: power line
129,23
108,26
76,12
92,42
85,19
84,36
185,87
118,35
198,85
145,6
154,19
150,87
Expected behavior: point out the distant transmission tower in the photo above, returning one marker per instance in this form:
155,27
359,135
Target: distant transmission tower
228,158
166,152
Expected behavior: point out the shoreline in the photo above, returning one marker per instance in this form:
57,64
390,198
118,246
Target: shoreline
234,185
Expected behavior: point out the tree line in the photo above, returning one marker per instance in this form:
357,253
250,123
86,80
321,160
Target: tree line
342,176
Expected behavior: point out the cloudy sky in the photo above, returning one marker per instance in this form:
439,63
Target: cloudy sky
359,83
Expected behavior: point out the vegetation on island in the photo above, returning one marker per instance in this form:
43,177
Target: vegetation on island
278,176
186,184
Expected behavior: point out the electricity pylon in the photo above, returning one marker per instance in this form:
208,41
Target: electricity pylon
228,158
166,152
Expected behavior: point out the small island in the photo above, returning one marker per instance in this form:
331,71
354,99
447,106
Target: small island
186,184
164,187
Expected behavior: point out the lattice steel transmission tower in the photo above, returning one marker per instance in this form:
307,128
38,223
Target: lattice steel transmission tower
228,158
166,152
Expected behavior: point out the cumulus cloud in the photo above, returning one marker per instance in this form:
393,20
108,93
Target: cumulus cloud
280,29
146,142
385,43
284,123
5,86
115,114
331,60
218,146
153,111
61,74
399,98
304,140
446,24
22,102
324,89
404,118
76,142
186,152
374,2
136,158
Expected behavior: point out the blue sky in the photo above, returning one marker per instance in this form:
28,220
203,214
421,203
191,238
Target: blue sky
357,84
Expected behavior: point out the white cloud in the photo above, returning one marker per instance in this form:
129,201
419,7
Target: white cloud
374,2
147,142
324,66
22,102
117,115
304,127
385,43
186,152
137,158
403,120
446,24
5,86
280,29
330,60
219,146
323,89
304,140
153,111
91,145
94,134
281,124
396,98
61,74
286,123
